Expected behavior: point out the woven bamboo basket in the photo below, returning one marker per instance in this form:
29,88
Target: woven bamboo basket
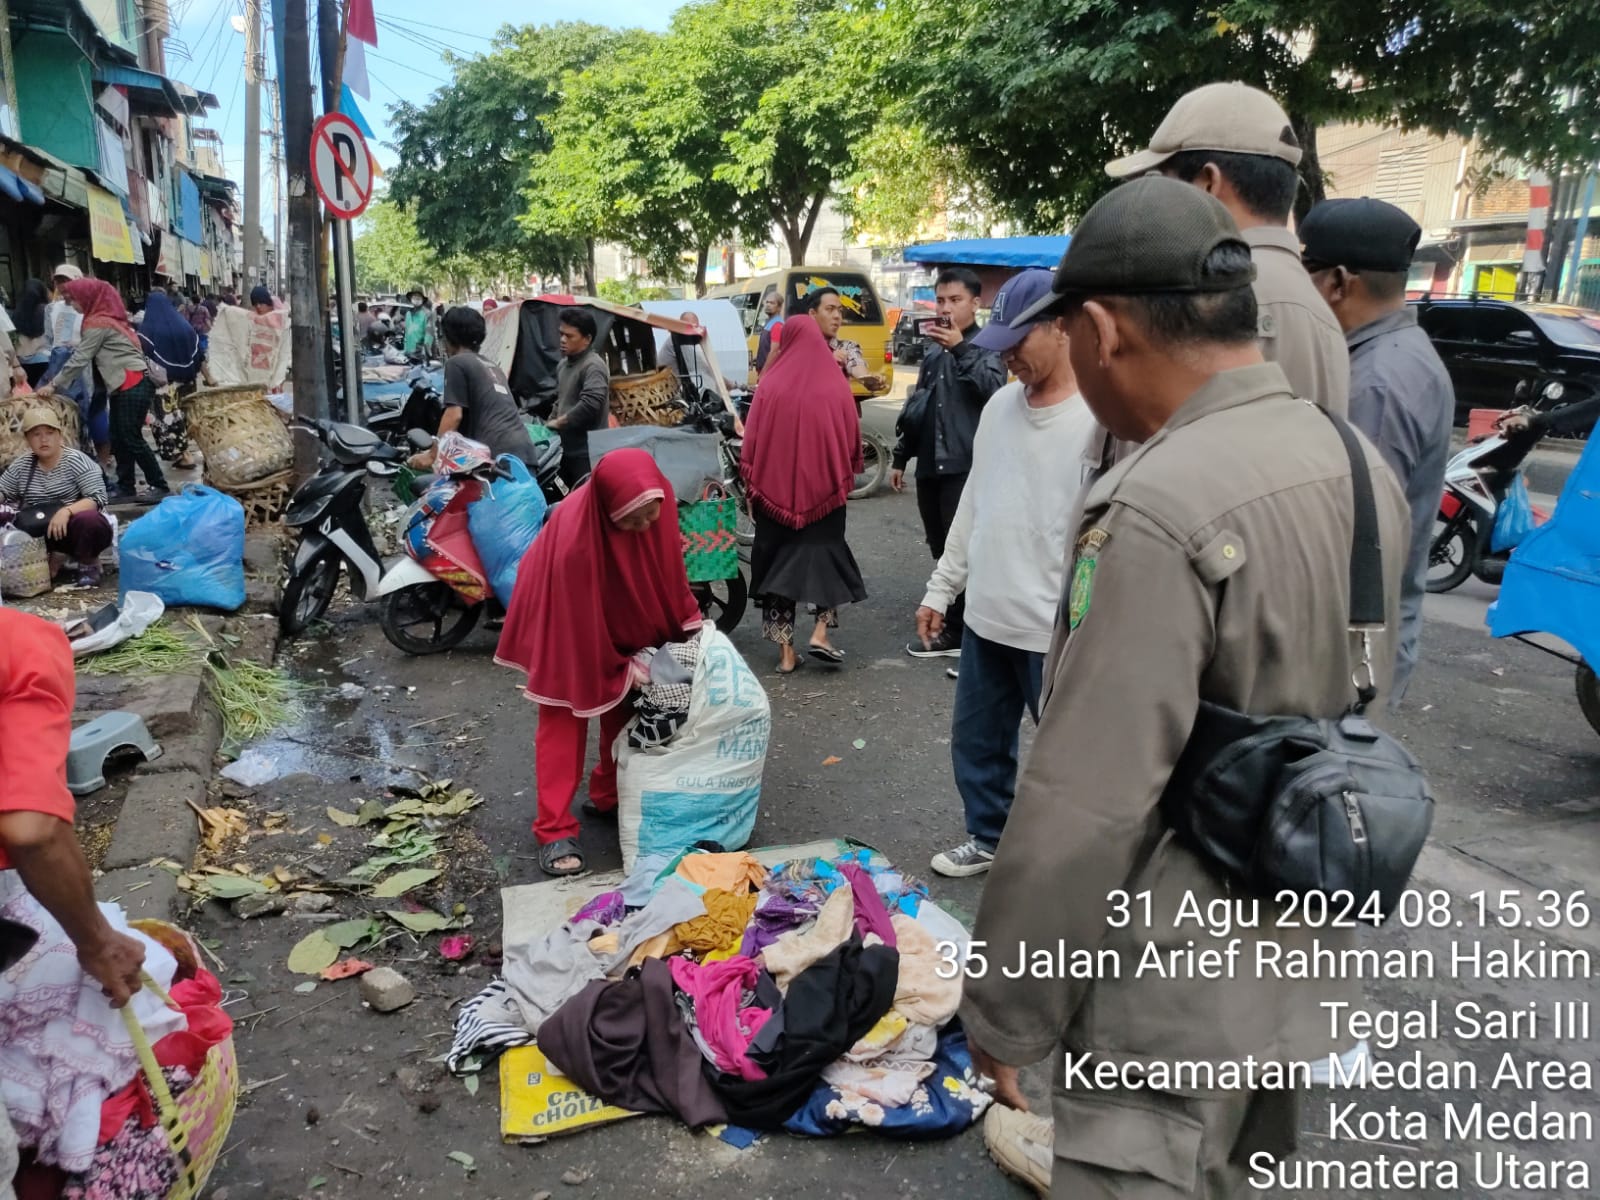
240,435
649,399
12,409
264,500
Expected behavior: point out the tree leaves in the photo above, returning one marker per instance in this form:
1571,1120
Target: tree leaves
420,922
313,954
402,882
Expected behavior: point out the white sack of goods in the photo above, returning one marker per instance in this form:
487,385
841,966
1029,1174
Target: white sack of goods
689,763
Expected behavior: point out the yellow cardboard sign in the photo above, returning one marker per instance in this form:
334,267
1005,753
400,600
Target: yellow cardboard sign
109,239
537,1102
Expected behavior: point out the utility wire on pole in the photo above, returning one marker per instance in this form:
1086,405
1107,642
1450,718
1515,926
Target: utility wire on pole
306,332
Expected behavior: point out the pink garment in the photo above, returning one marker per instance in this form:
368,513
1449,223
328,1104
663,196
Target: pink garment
716,989
871,915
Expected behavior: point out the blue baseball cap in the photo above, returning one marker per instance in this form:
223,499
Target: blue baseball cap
1017,295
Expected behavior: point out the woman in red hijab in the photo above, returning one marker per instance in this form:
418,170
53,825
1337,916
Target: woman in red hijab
802,452
109,344
603,580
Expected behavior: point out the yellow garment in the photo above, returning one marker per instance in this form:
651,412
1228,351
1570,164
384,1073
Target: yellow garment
659,946
603,943
798,949
921,995
724,922
737,873
879,1038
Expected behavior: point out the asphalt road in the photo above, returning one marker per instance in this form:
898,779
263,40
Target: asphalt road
1516,770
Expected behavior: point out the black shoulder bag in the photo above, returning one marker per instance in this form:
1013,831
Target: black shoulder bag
34,519
1301,804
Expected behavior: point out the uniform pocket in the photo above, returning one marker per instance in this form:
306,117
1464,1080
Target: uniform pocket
1131,1136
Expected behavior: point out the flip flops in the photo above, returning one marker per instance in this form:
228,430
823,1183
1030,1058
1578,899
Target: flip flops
827,654
591,809
553,852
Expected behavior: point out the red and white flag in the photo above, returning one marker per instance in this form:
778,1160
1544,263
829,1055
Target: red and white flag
355,68
360,21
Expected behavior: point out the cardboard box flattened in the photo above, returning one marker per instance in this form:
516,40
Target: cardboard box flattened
537,1101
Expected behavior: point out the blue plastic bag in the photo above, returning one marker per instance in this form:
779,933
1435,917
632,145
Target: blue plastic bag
189,549
504,521
1514,520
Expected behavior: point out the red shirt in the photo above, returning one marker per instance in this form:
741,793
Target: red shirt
36,697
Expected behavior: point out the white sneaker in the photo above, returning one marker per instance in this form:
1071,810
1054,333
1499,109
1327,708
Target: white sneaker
972,857
1021,1144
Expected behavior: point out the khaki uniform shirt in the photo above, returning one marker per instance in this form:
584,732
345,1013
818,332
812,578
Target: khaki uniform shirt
1298,330
1220,571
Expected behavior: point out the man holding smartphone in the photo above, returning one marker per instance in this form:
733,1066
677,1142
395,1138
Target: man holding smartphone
938,424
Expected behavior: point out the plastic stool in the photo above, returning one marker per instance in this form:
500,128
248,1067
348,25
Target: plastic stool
93,743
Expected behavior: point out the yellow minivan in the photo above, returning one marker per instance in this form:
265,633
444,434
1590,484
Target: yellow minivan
865,321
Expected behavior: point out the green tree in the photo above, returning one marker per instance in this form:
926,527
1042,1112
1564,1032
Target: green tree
467,156
1037,95
390,255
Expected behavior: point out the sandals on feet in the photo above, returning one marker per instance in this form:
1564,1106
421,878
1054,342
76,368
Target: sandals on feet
591,809
831,655
798,663
553,852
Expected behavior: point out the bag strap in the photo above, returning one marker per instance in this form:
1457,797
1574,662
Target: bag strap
33,468
1366,559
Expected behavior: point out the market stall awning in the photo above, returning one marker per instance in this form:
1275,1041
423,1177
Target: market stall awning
212,187
18,188
1016,252
146,89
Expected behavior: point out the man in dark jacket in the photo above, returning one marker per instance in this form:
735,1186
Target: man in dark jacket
938,423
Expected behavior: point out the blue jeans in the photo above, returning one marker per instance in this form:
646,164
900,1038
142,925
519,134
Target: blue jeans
93,411
995,684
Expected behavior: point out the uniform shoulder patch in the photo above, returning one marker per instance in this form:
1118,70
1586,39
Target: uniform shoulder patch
1084,563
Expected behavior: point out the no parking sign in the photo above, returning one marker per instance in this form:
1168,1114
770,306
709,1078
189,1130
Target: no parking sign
341,166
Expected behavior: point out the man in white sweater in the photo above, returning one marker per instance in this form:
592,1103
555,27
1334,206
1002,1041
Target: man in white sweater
1007,549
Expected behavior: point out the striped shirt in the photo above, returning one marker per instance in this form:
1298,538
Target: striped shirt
75,476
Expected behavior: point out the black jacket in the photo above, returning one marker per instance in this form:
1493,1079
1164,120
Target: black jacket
959,383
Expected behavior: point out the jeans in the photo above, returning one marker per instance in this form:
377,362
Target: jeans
937,499
995,683
128,409
92,413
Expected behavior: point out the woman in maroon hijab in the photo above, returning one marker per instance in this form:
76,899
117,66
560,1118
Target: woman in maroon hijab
802,451
603,580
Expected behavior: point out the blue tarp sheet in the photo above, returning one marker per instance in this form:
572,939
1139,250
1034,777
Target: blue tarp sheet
1552,583
189,227
1016,252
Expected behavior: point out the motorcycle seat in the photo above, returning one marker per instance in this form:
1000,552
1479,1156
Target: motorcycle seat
354,445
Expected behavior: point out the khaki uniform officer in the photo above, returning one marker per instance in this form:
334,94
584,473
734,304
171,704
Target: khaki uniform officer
1236,143
1212,564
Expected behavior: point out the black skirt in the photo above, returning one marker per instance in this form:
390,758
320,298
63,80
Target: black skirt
812,565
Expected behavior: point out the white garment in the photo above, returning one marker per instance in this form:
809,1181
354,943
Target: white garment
63,1048
63,324
1007,546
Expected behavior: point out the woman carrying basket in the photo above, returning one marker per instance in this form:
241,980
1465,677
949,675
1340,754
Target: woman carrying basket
603,580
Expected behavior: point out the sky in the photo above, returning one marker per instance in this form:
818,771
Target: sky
205,52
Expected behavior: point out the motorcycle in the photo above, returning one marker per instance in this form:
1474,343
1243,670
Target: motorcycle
327,510
393,417
1476,482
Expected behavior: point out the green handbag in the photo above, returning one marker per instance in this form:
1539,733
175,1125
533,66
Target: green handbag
710,550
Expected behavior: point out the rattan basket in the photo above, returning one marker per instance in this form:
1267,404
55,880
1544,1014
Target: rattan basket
240,435
653,398
12,443
264,500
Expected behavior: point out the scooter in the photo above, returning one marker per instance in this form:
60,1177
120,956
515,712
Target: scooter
326,509
1476,482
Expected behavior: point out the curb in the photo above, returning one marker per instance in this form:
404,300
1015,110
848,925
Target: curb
155,820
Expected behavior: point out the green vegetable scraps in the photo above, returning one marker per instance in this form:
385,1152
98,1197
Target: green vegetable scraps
254,700
159,650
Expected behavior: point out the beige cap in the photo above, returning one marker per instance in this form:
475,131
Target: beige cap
36,417
1231,117
66,271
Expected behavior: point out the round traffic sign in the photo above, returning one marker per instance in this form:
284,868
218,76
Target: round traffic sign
341,166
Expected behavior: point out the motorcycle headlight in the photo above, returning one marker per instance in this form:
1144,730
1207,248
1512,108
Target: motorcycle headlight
1554,391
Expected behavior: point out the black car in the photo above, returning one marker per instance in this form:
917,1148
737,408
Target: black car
908,343
1489,346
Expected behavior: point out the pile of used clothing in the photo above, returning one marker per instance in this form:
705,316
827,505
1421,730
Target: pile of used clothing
812,996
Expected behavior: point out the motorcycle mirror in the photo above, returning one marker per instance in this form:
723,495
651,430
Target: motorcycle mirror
1523,389
382,468
419,438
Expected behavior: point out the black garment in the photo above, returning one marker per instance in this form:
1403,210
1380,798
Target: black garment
583,401
627,1043
128,409
812,565
959,383
937,500
29,315
488,412
1568,419
830,1005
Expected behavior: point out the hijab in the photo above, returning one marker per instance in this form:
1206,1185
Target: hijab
102,308
590,595
168,339
802,439
29,318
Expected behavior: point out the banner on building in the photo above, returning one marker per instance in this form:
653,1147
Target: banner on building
108,227
168,261
205,266
190,254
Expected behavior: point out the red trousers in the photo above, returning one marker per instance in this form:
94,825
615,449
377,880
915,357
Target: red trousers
559,746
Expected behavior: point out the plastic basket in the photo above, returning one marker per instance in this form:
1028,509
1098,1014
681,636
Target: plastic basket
710,549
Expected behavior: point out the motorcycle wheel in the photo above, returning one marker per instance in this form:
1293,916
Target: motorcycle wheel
307,596
1490,569
1451,553
427,618
1589,694
723,601
875,457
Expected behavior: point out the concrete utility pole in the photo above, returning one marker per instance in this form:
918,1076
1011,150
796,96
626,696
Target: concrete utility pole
252,143
330,49
306,329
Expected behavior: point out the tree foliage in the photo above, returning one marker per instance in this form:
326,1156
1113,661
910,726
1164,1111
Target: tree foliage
391,256
1037,95
467,156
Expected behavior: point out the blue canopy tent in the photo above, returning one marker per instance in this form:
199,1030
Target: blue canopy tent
1015,253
